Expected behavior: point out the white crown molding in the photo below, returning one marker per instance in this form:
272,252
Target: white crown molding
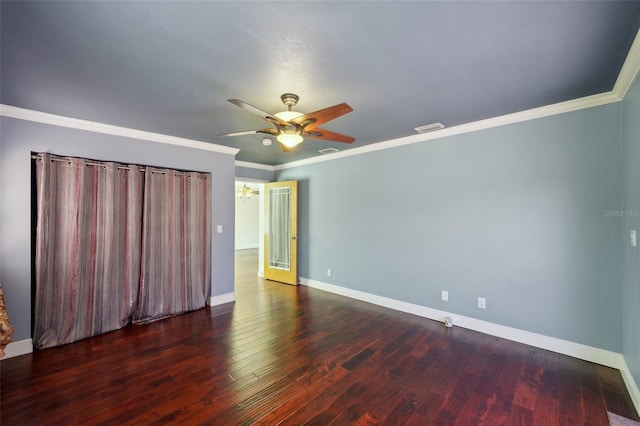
625,79
629,69
565,347
255,166
21,347
516,117
92,126
222,298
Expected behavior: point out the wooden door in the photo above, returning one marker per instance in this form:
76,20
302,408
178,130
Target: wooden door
281,232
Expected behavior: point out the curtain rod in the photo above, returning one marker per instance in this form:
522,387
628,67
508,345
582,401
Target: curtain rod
143,169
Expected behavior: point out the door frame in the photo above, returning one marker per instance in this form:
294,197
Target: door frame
259,183
287,276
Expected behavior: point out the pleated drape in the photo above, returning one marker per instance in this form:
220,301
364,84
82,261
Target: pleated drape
88,232
115,245
176,244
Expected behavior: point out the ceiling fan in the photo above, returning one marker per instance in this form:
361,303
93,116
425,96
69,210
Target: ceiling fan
245,192
291,127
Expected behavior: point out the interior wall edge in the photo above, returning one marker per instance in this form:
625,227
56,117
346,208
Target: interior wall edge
632,386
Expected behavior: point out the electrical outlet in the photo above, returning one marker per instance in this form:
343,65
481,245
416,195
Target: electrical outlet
329,272
632,235
482,303
445,295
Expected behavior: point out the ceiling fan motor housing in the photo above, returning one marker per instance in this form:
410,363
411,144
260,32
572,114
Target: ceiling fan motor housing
289,99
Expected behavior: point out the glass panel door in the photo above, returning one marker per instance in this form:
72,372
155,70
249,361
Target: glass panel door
279,232
281,240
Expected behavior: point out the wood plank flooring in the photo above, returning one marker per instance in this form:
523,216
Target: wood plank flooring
283,355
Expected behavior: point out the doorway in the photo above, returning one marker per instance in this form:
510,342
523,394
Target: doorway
249,226
266,225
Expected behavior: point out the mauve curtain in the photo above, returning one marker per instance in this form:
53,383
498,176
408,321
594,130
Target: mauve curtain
176,244
88,239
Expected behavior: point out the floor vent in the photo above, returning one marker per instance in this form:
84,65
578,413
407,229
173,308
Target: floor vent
429,128
328,150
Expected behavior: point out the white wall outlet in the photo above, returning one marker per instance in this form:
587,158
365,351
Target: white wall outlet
219,229
329,272
482,303
634,241
445,295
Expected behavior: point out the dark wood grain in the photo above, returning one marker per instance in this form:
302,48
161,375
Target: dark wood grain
294,355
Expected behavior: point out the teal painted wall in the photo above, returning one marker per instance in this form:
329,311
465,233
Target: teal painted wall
18,138
522,214
631,188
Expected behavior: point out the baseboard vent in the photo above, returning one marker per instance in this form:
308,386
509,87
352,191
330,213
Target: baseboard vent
429,128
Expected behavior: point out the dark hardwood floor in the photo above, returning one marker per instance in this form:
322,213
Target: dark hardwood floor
294,355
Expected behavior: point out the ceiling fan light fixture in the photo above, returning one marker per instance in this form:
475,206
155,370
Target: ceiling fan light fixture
288,115
292,126
245,192
289,139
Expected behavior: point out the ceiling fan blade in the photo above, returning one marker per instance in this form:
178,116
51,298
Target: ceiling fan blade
322,116
252,132
327,135
257,111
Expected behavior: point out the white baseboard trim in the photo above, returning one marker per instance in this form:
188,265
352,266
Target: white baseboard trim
222,298
632,386
565,347
21,347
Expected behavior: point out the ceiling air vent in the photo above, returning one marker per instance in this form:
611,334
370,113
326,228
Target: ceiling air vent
429,128
328,151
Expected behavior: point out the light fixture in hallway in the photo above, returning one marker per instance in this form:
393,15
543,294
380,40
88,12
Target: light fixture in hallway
245,192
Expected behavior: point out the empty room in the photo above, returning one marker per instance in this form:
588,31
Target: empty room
444,198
